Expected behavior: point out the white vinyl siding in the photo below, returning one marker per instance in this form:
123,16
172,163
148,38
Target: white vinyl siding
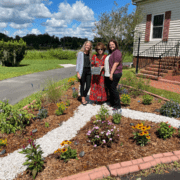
155,7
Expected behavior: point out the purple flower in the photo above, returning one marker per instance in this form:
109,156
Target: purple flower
112,129
97,136
104,141
110,139
23,146
118,135
95,145
89,132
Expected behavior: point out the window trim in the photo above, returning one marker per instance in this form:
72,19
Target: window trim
151,34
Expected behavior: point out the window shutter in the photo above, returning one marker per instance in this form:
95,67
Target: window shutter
166,25
148,27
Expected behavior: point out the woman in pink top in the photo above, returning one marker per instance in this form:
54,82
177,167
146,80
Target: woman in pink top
115,70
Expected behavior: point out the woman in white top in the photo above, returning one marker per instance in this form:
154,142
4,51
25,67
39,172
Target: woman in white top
106,76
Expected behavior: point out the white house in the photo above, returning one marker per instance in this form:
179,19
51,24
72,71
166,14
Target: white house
160,25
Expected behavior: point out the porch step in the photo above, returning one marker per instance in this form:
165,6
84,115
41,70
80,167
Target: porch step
152,73
156,69
161,66
165,59
165,63
147,76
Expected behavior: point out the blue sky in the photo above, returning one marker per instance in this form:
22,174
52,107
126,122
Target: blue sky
55,17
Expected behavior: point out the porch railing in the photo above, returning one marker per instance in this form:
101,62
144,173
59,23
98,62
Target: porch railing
157,50
172,54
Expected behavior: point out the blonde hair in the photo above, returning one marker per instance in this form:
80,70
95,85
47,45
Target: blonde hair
83,50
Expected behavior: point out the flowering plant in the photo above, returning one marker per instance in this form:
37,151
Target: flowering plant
147,99
116,117
125,99
166,130
66,152
103,114
71,81
75,93
68,103
36,163
104,134
141,135
61,108
3,142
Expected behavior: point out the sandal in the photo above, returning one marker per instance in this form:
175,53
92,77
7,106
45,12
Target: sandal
84,103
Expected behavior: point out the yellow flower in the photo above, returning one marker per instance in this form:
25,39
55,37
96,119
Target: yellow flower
134,127
148,137
64,150
69,142
143,128
62,144
148,127
141,134
137,126
140,124
146,133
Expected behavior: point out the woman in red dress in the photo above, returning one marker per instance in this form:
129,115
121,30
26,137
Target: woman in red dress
97,91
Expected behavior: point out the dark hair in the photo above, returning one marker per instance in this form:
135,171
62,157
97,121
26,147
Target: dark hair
101,45
116,44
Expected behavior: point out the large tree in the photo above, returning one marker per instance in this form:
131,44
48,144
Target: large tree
119,25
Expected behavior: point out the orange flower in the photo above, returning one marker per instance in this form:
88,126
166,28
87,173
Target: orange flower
134,127
69,142
148,137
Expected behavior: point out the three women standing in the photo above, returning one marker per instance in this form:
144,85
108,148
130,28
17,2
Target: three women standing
111,72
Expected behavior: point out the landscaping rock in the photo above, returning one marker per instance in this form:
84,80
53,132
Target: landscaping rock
82,153
76,143
156,110
60,124
34,130
3,152
131,124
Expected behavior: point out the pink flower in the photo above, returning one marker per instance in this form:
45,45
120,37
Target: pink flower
95,145
23,146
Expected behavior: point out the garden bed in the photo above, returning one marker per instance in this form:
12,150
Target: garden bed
17,140
55,168
124,150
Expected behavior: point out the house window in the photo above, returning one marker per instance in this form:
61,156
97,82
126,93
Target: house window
158,26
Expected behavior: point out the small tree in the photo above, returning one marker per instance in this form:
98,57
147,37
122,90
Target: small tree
119,25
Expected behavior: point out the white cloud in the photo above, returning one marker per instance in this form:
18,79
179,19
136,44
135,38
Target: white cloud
35,31
20,26
21,3
55,23
3,25
38,11
77,11
22,33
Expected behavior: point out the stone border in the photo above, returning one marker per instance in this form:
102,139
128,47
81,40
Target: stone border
126,167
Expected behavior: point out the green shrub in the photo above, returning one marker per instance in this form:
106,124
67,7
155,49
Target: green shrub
170,109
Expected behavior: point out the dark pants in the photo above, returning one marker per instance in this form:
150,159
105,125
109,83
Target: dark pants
114,94
107,85
85,78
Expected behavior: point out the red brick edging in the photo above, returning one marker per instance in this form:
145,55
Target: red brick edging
168,81
126,167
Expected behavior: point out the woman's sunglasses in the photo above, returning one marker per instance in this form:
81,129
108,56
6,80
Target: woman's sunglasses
100,49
